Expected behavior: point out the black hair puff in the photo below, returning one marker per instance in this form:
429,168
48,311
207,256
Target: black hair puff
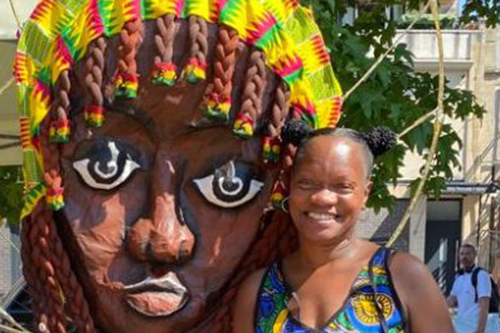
380,139
295,132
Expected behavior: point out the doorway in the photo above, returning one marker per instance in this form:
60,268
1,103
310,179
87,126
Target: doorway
442,240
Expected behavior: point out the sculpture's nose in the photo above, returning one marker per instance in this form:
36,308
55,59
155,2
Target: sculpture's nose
162,237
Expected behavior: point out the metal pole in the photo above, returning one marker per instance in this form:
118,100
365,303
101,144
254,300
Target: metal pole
492,226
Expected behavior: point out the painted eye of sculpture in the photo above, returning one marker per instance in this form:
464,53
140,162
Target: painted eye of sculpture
107,166
230,186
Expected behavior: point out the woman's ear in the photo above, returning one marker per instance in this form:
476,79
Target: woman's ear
368,189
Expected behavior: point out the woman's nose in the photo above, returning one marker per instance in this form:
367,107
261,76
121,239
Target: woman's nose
324,197
163,236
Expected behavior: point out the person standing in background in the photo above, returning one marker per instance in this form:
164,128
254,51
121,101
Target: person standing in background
474,295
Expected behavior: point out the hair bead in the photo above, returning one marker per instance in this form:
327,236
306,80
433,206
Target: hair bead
195,70
126,79
196,67
218,107
126,85
271,148
164,73
94,116
59,130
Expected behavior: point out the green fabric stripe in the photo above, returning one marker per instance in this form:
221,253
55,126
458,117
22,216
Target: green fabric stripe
31,168
45,75
271,6
318,79
228,13
293,76
70,42
73,6
105,12
298,26
270,37
36,43
145,10
23,101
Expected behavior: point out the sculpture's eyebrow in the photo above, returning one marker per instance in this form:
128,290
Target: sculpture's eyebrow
134,112
124,108
204,123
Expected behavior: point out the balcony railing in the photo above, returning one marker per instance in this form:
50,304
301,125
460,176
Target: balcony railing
458,47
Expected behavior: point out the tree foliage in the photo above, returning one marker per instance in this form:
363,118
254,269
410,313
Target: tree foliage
11,193
395,95
488,10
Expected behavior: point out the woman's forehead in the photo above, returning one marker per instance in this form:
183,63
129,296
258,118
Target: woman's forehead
331,145
330,153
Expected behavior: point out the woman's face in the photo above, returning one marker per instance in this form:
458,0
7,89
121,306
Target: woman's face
329,188
161,207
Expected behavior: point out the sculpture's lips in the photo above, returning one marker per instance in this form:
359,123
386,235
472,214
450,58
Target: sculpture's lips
157,297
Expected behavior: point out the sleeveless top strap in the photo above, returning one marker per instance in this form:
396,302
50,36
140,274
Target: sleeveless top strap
372,304
271,300
377,260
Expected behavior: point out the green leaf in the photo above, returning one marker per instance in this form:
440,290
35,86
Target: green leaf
395,95
11,194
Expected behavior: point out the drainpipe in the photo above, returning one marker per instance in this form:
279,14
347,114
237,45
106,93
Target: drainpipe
494,166
494,159
492,227
478,231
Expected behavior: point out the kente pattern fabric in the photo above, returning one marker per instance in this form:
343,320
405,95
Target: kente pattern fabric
59,31
358,315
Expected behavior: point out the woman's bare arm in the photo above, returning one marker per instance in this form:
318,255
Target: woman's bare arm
244,308
423,302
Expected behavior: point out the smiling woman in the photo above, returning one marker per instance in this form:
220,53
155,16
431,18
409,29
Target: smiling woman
334,282
150,133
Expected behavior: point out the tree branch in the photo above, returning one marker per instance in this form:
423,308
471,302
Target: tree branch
385,54
438,124
417,123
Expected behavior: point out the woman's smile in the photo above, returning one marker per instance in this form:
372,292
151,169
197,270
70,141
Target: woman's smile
323,218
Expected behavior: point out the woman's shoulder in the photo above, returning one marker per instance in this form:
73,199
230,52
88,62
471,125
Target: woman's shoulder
409,274
407,267
423,302
246,299
252,283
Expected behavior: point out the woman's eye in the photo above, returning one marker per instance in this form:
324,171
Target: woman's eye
107,166
345,186
229,186
306,185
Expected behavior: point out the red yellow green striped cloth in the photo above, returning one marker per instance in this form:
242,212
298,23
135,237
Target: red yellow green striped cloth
59,32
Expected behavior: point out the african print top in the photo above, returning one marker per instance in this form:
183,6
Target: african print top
360,313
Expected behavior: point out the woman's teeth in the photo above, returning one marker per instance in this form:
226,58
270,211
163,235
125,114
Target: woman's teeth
322,216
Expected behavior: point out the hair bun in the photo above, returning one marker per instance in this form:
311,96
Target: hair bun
380,139
295,131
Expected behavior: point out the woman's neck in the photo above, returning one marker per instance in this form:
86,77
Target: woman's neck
315,255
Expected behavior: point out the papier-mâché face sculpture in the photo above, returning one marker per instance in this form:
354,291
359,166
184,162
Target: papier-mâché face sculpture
151,143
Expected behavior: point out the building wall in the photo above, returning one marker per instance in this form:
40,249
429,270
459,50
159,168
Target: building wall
472,61
481,150
10,259
5,263
418,221
10,152
378,227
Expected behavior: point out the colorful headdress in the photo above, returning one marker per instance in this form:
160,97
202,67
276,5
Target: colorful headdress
59,32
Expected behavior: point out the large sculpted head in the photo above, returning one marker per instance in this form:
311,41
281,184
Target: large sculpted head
151,145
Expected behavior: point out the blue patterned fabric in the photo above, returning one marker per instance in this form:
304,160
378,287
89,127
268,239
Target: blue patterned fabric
358,315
